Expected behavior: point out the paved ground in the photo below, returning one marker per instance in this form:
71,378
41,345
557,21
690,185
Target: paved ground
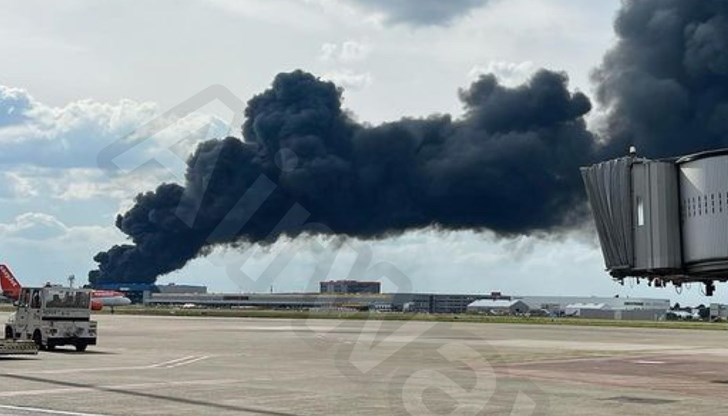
195,366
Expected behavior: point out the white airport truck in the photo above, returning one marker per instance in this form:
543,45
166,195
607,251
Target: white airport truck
52,316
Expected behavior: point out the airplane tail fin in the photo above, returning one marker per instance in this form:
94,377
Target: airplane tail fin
10,286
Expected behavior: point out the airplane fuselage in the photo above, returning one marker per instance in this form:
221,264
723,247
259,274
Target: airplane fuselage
113,300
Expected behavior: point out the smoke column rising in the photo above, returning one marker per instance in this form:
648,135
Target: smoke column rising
665,83
509,165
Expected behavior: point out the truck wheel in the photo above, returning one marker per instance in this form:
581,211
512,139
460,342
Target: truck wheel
81,347
38,339
51,347
9,333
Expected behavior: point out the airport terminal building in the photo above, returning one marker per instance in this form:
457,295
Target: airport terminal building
395,302
613,308
365,296
349,286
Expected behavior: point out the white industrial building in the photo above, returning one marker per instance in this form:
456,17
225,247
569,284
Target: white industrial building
558,304
600,307
576,309
718,311
498,307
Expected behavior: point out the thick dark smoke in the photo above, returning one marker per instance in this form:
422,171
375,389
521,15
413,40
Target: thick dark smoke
665,83
508,165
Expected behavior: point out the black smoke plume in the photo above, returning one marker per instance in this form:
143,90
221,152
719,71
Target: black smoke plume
508,165
665,82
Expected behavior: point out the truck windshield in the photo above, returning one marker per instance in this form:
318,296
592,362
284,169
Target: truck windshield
67,299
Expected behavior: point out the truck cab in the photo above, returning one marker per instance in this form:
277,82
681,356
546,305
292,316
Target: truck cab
53,316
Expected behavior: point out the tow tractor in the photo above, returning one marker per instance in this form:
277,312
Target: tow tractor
10,346
52,316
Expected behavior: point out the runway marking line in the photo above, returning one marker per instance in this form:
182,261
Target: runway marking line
162,384
172,362
89,370
193,360
178,362
47,411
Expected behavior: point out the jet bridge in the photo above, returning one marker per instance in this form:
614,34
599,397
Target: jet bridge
665,220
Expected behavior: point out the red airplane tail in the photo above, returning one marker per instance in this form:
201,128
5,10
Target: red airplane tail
10,286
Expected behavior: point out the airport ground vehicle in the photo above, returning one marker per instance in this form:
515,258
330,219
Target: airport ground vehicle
99,298
53,316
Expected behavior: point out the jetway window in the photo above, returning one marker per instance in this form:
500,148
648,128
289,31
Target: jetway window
700,207
695,207
720,201
640,212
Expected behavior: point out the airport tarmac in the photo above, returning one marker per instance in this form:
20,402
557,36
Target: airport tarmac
148,365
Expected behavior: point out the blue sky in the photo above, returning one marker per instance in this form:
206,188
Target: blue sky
84,75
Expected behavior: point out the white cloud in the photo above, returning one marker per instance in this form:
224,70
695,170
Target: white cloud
348,51
14,102
42,228
33,133
33,226
341,57
354,51
41,248
328,51
79,184
349,79
508,73
14,185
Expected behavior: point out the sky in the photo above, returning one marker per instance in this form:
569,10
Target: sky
81,76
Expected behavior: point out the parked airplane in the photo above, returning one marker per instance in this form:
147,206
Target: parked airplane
99,298
110,298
